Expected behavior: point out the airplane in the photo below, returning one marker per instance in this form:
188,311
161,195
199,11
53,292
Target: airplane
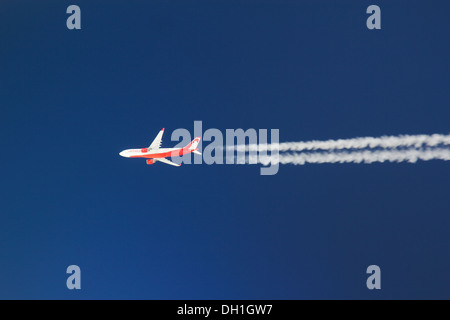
155,153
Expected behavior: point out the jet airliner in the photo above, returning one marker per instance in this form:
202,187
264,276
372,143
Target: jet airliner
155,153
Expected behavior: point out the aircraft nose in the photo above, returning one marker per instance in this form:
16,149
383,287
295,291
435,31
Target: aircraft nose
122,154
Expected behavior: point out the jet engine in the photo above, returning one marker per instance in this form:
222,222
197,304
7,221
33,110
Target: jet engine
150,161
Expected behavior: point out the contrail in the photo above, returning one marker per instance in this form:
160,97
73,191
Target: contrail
366,156
384,142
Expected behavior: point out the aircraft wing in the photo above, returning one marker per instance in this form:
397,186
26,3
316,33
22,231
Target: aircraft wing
156,144
164,160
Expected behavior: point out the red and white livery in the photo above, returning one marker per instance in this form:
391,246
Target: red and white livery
155,153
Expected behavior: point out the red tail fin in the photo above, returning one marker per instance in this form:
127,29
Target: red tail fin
193,144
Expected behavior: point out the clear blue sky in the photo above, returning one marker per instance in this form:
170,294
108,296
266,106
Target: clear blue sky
71,100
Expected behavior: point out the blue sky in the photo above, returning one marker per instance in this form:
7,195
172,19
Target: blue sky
71,100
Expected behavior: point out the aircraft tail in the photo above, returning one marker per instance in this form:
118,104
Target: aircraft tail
193,146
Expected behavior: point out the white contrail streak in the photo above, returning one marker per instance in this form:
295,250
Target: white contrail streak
385,142
367,156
